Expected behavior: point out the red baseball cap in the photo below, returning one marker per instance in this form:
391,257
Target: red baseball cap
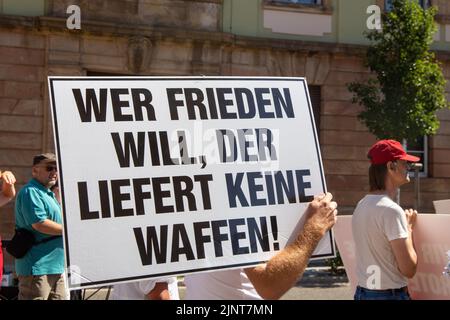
389,150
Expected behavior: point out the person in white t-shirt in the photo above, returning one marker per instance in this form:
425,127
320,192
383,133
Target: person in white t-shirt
219,285
382,230
150,289
275,277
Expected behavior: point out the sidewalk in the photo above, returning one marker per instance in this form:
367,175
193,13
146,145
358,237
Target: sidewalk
319,284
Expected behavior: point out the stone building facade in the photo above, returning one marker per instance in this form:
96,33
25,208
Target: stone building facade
162,37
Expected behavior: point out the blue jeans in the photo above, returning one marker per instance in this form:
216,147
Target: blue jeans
394,294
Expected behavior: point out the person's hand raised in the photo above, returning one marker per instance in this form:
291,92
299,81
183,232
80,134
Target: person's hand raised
411,218
321,214
8,177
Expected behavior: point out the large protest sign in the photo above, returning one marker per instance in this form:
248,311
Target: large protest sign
431,241
164,176
442,206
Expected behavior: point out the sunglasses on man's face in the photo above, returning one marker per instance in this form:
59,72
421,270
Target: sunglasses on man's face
51,168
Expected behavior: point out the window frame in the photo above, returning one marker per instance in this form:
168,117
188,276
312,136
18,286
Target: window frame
425,4
316,2
424,159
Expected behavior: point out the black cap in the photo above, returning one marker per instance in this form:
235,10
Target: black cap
44,158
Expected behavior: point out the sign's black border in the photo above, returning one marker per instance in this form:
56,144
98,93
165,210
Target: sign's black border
61,177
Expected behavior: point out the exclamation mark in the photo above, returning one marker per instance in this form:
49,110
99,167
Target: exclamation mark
273,222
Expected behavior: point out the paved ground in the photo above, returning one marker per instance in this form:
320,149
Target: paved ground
317,284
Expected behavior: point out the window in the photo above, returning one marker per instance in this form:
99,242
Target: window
419,148
423,3
301,1
307,6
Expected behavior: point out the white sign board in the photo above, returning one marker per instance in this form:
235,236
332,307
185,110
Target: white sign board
164,176
442,206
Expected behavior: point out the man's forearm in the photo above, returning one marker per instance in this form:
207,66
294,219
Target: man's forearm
412,252
159,292
3,199
8,190
280,273
48,227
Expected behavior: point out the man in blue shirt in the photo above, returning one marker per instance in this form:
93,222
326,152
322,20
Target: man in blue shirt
41,270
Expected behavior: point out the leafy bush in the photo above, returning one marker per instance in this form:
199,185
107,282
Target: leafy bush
336,265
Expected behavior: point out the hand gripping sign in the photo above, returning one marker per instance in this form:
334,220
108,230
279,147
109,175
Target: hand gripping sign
164,176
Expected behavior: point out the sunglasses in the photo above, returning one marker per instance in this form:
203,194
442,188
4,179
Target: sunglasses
51,168
409,166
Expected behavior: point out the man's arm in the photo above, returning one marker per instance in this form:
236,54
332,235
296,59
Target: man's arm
48,226
4,200
403,248
274,278
8,189
159,292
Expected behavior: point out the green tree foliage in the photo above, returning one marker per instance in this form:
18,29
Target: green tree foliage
336,265
402,100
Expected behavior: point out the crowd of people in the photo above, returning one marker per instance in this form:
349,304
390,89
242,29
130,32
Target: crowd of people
382,230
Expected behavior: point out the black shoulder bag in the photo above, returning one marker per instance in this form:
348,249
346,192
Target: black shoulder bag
22,241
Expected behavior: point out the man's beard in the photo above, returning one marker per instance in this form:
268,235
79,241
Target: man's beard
51,183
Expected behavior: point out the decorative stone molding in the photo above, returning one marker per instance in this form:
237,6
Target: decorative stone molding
140,51
317,68
192,14
314,66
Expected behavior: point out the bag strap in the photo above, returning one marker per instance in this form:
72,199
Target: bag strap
46,240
